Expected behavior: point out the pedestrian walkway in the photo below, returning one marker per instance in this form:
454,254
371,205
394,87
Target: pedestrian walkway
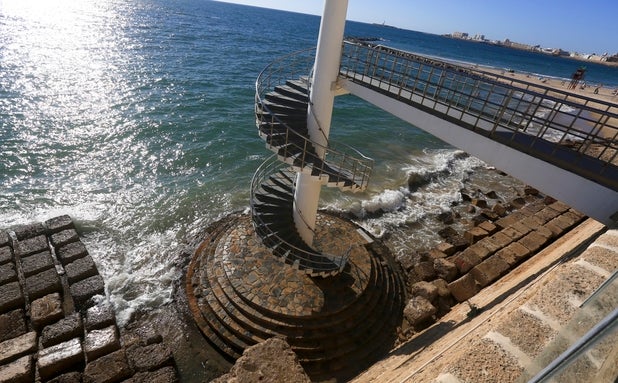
522,323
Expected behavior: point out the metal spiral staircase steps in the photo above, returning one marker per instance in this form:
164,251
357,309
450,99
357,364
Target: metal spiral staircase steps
335,343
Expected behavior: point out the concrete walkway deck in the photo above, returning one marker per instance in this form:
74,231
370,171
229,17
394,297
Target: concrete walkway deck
520,323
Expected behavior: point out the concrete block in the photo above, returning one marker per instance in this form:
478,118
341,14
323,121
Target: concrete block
6,254
99,316
29,231
36,263
11,297
60,358
46,310
17,347
108,368
100,342
33,245
501,239
489,243
560,207
418,310
514,253
12,324
533,241
85,289
489,227
475,234
489,270
8,273
65,329
43,283
463,288
533,222
18,371
63,237
480,250
547,214
465,260
513,233
446,248
81,268
70,252
60,223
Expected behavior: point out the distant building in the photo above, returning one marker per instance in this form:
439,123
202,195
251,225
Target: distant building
460,35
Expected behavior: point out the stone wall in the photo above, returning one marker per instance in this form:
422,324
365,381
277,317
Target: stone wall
56,324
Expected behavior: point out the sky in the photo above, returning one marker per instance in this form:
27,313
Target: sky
584,26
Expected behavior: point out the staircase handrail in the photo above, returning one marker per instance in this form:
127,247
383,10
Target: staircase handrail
267,168
298,65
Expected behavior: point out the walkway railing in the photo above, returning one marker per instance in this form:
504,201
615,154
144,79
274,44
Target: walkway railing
574,132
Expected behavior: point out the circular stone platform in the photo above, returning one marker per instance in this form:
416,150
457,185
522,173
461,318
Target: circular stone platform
241,294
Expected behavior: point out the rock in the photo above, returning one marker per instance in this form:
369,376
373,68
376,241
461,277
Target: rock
163,375
424,289
31,245
489,227
465,260
36,263
6,254
29,231
475,234
100,342
63,330
499,209
489,270
85,289
480,203
150,358
418,311
70,252
447,232
271,361
12,324
99,316
424,270
529,190
81,268
108,368
69,377
43,283
17,347
518,203
463,288
10,297
8,273
446,218
491,194
4,238
63,237
46,310
446,248
57,359
445,269
60,223
18,371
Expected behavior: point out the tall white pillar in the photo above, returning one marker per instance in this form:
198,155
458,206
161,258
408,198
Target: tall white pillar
322,98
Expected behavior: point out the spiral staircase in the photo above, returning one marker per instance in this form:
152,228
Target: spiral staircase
281,110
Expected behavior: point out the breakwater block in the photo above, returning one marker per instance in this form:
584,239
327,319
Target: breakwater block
55,320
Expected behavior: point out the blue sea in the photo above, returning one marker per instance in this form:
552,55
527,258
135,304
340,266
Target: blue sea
136,119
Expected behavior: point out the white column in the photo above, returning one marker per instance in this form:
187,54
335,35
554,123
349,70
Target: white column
322,98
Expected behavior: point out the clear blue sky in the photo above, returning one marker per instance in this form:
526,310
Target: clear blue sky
584,26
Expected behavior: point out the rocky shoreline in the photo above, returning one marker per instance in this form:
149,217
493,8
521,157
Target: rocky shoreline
56,324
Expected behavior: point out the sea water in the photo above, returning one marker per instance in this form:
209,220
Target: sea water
136,119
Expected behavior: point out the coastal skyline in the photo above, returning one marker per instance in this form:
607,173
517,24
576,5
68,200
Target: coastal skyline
570,25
